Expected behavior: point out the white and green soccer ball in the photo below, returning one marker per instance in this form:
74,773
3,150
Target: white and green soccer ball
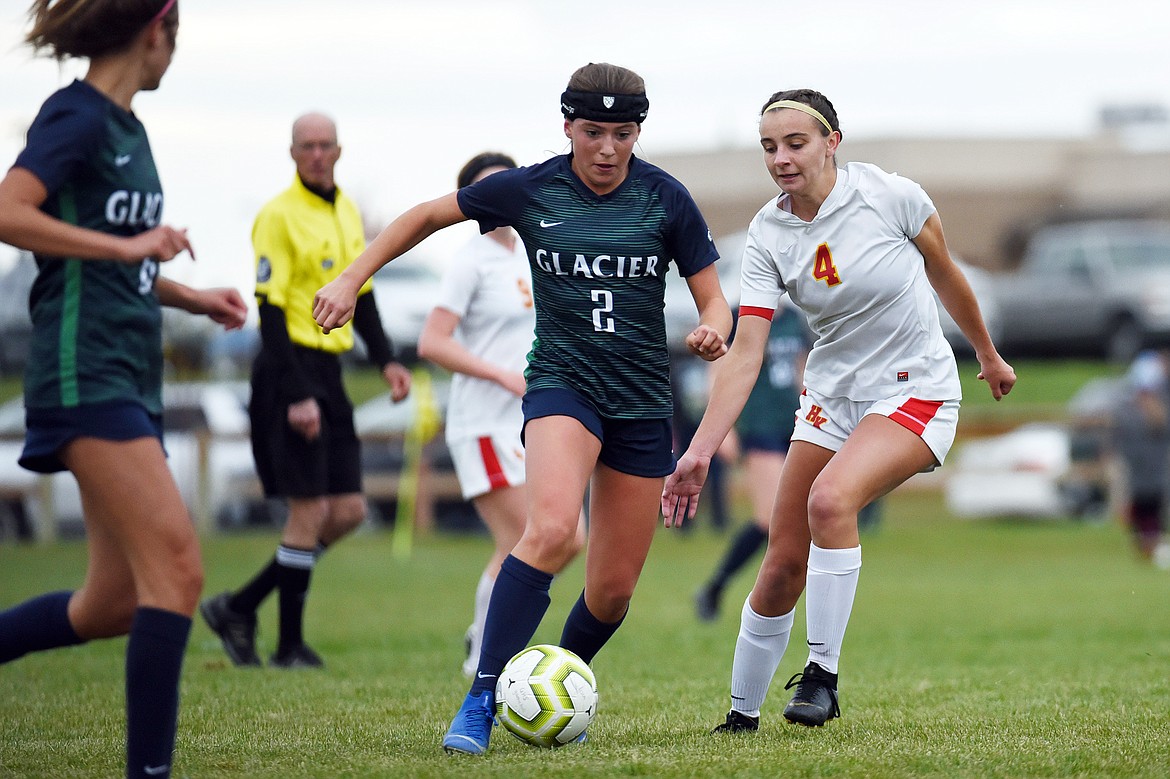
546,696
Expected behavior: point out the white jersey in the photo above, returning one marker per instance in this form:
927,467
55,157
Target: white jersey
861,282
490,289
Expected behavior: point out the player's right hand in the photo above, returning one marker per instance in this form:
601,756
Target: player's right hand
334,303
680,493
163,243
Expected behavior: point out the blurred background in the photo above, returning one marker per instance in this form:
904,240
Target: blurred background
1040,129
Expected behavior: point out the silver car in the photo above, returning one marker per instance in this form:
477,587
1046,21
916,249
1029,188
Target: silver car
1099,288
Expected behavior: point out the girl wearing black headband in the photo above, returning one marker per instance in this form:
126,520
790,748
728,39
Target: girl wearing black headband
85,197
600,228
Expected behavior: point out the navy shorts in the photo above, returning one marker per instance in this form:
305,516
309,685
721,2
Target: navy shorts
639,447
289,466
756,441
50,429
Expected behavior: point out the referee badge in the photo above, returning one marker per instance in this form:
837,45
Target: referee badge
263,270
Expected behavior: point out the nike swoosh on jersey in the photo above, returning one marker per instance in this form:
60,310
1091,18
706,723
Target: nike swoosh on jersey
549,224
121,159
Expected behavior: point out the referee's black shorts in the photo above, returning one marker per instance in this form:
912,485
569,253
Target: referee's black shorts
290,466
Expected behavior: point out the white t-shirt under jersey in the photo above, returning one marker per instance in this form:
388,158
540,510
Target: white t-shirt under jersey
861,282
490,289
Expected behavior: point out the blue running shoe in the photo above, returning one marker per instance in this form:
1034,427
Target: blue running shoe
471,729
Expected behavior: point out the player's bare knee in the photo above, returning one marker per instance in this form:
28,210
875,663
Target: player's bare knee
783,575
186,584
554,545
109,616
829,509
610,601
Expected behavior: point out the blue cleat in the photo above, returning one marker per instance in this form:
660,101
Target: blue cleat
471,729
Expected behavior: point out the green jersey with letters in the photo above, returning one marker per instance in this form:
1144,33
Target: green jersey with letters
97,326
599,267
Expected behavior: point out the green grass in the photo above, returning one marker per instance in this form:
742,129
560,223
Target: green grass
1043,390
975,650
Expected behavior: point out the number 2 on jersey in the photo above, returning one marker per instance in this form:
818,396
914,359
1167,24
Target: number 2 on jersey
823,268
603,314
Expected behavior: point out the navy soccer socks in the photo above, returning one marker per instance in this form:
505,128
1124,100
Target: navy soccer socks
35,625
154,661
584,634
519,601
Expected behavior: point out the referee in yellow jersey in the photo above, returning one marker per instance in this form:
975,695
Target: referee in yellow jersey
303,437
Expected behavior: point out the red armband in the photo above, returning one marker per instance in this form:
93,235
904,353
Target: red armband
766,313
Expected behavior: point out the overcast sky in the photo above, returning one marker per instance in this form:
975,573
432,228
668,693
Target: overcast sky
417,87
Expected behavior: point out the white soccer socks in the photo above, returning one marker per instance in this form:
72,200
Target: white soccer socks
832,583
758,651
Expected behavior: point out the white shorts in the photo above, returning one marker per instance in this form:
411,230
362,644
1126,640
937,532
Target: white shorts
487,463
827,422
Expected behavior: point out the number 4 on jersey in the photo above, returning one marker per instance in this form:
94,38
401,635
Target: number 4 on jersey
824,269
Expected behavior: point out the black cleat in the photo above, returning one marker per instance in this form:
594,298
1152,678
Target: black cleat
815,701
237,632
707,603
738,723
297,656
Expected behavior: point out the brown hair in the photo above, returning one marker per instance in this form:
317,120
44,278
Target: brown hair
610,79
812,99
92,28
481,162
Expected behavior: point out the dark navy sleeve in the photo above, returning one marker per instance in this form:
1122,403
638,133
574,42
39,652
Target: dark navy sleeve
688,237
65,135
498,200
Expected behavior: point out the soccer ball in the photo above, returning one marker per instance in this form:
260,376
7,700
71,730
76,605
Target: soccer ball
546,696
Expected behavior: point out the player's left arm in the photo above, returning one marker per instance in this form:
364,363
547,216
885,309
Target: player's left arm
223,305
960,302
709,339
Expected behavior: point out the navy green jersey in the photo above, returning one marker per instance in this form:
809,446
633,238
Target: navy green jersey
771,407
599,267
97,334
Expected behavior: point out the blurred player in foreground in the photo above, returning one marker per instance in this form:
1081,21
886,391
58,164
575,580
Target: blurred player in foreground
84,196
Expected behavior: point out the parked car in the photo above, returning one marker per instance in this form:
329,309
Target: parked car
1088,288
198,419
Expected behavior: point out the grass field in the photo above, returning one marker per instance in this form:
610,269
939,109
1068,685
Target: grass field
975,650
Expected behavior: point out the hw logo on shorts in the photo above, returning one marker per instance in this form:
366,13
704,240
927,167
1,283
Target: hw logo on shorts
814,416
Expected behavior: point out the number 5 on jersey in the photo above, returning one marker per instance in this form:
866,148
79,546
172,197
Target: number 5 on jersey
824,269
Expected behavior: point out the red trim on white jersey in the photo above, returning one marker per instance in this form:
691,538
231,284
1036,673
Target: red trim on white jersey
491,464
915,414
766,313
